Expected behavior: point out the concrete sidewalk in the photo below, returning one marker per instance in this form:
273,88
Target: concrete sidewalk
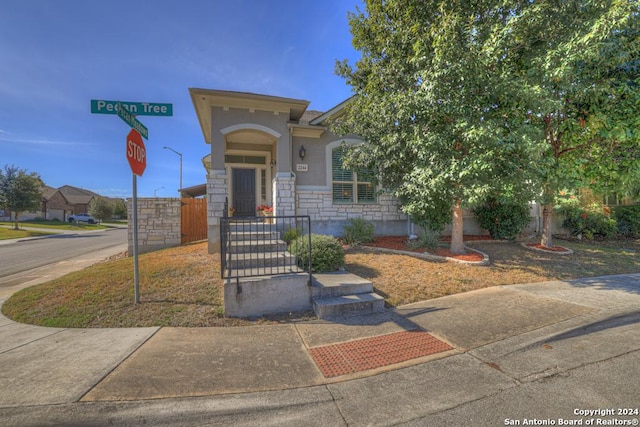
505,343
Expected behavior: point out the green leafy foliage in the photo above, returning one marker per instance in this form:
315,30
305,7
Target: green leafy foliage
504,219
19,191
100,209
586,222
436,103
358,231
120,209
291,234
628,220
427,238
464,99
327,253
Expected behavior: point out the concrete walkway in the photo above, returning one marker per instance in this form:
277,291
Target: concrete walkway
542,351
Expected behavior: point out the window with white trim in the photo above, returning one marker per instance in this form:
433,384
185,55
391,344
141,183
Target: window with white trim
350,186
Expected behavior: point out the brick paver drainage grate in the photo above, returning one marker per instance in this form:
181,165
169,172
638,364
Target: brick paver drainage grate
370,353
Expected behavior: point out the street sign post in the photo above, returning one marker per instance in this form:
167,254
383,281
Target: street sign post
137,158
130,119
99,106
136,153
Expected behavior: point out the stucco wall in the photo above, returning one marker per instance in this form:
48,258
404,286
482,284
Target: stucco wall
158,224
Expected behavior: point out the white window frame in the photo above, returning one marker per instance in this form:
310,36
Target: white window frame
329,168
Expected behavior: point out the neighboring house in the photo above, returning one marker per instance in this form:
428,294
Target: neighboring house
59,203
77,198
271,150
54,204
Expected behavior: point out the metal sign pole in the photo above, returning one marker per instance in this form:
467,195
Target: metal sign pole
136,287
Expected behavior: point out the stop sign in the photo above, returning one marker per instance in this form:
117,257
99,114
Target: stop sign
136,152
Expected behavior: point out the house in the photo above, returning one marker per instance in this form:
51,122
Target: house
272,150
78,198
59,203
54,204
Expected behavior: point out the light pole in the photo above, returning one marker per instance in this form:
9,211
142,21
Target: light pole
156,190
179,154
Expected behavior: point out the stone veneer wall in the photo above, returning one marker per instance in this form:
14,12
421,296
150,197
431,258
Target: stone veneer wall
159,224
284,195
217,188
330,218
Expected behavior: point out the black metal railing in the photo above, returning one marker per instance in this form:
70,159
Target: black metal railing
264,245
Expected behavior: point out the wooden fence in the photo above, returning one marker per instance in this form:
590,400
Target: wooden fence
194,220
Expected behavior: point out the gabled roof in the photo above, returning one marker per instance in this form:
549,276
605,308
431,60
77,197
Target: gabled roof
204,99
75,195
309,115
47,192
335,111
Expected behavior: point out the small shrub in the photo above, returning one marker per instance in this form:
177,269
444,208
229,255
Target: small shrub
589,223
358,231
428,238
503,220
326,253
627,220
291,234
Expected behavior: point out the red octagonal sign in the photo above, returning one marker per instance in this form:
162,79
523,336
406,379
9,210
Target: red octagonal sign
136,152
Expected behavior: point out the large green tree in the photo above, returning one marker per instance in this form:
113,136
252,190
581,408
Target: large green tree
577,64
461,99
20,191
101,208
120,208
437,106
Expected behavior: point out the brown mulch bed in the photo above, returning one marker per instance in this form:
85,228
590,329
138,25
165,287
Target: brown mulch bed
401,243
547,248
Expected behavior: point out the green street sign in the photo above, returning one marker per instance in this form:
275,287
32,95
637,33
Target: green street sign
99,106
129,119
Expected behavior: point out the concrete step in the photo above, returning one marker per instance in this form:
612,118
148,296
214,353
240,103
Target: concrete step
338,284
257,225
247,235
348,305
257,246
260,260
266,271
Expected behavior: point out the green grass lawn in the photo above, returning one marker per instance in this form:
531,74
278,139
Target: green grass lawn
6,233
55,224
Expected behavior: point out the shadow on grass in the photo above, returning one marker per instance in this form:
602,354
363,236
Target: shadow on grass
178,302
361,270
586,261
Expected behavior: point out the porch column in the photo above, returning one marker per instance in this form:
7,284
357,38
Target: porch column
217,187
284,194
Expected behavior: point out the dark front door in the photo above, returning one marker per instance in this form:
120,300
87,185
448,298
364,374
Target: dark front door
244,191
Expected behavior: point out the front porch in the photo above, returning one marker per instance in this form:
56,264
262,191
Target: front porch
251,152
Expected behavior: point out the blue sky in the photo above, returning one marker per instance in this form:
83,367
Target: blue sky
55,56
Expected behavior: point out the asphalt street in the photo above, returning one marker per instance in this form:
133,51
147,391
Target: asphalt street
28,254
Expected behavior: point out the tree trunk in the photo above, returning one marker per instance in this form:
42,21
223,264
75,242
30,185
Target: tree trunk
457,230
547,238
15,222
